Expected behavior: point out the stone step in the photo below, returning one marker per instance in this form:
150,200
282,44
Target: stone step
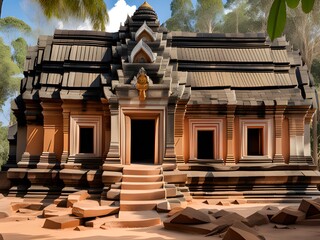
133,195
141,171
134,219
139,205
113,194
141,185
143,178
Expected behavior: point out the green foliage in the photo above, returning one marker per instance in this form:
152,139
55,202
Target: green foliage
207,14
9,24
95,10
277,15
4,145
8,70
20,47
277,19
182,15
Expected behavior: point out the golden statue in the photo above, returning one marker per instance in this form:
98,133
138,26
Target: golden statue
142,84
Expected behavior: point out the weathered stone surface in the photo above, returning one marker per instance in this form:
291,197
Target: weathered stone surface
87,203
309,207
190,216
113,194
287,216
94,211
257,219
76,197
62,222
109,203
240,231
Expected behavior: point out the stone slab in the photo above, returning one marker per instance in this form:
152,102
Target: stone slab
62,222
190,216
94,211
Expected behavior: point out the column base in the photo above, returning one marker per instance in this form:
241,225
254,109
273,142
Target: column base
230,160
298,160
28,161
278,158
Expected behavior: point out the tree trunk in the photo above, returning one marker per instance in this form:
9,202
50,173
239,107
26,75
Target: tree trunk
1,1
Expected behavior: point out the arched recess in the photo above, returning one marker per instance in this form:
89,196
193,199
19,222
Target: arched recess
142,53
145,33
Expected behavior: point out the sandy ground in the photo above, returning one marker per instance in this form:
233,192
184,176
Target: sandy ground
32,229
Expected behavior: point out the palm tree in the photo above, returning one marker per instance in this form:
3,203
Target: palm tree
95,10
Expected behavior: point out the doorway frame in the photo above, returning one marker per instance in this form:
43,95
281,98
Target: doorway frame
127,114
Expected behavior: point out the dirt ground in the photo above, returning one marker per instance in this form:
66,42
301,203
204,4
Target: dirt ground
32,229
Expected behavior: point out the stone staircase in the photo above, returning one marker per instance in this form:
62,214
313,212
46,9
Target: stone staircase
141,190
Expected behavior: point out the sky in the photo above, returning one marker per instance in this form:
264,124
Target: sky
31,13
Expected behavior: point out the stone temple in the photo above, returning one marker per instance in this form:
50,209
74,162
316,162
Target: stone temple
144,110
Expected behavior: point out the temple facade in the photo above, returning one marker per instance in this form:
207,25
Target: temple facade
91,101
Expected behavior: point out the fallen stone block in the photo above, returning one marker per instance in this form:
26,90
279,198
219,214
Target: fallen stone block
288,216
221,213
204,228
94,211
55,211
174,211
60,202
87,203
269,211
62,222
240,231
99,221
81,228
17,205
257,219
230,219
76,197
309,207
109,203
190,216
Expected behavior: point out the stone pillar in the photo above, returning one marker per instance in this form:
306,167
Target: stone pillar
230,135
52,135
66,140
170,155
34,136
113,155
307,137
296,133
278,125
179,131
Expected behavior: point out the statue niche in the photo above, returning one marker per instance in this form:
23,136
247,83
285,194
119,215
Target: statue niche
141,82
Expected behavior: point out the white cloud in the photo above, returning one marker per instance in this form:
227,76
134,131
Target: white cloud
118,15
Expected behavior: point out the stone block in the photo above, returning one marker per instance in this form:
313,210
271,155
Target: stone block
190,216
62,222
257,219
194,229
54,211
269,211
94,211
240,231
174,211
109,177
230,219
98,222
76,197
113,194
309,207
288,216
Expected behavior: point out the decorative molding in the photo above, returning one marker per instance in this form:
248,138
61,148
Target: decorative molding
145,33
78,121
267,126
142,50
216,125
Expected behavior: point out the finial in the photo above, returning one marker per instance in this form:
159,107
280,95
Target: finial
146,5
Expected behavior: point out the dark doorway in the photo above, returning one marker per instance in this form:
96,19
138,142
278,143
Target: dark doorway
255,142
86,140
142,141
205,145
